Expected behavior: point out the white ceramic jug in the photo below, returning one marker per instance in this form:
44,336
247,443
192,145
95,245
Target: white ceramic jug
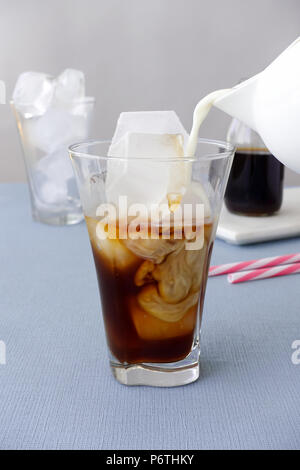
269,103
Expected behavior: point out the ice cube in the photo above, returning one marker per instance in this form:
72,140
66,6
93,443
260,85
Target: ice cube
154,134
54,178
148,122
70,86
33,93
143,145
113,251
149,327
143,180
55,129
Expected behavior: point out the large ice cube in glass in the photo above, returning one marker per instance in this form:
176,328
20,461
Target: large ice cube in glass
138,176
148,122
150,135
145,141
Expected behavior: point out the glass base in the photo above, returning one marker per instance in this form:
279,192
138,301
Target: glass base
155,376
58,219
171,374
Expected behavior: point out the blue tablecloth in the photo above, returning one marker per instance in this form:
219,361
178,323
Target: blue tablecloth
56,389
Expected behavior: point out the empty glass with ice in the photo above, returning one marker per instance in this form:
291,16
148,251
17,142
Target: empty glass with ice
51,114
151,215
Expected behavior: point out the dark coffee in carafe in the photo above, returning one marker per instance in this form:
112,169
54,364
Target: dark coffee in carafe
255,183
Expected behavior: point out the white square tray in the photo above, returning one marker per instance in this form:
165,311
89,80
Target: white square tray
241,230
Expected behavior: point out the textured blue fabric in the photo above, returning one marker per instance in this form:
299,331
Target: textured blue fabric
56,389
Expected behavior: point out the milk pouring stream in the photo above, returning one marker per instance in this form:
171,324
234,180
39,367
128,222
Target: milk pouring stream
269,103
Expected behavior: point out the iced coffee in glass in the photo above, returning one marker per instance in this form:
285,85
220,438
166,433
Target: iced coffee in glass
151,215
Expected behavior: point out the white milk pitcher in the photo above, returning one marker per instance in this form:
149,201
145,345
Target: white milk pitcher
269,103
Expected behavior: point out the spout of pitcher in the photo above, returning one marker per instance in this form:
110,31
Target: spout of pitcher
239,102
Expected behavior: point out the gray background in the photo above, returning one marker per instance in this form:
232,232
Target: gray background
140,54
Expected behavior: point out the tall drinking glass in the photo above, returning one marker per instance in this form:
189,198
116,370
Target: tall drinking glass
45,139
152,266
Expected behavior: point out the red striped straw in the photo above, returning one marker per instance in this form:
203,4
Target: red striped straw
253,264
263,273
